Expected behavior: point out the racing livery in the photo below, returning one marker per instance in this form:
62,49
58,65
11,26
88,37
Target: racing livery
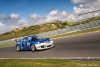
34,43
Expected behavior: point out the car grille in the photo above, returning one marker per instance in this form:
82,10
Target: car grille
49,45
42,46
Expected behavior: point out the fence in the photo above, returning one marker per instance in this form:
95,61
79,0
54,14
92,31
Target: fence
61,31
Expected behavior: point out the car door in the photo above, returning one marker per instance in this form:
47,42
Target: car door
26,44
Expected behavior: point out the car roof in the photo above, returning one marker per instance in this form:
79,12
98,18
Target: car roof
30,36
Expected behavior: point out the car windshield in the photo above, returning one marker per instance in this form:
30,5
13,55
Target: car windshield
39,37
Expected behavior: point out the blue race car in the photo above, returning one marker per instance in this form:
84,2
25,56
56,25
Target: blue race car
34,43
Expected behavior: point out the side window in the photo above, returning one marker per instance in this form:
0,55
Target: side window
38,37
33,38
25,40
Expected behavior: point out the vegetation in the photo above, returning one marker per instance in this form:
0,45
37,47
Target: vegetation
90,19
24,31
20,32
7,45
47,63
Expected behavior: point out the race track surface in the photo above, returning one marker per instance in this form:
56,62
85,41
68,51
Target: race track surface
84,45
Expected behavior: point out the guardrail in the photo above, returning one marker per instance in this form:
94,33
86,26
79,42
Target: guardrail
61,31
72,29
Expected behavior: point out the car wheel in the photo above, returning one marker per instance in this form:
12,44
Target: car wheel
33,48
18,48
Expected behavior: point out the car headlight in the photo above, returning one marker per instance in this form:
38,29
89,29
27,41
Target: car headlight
51,41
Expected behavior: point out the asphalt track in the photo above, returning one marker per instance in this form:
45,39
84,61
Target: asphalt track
84,45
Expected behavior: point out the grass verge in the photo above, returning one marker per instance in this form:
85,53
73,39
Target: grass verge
77,32
7,45
47,63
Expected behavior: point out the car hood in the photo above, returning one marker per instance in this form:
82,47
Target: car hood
43,40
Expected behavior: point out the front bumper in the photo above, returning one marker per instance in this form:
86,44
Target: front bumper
44,46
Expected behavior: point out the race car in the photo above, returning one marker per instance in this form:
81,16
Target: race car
33,43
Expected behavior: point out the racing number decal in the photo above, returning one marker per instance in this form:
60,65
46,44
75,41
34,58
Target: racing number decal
28,44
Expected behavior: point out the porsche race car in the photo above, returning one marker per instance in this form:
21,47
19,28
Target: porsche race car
33,43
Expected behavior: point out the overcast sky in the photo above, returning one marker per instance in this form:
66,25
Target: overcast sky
19,13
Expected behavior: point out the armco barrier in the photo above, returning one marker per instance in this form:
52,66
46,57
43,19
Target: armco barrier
61,31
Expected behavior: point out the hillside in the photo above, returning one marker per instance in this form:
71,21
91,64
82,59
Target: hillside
35,29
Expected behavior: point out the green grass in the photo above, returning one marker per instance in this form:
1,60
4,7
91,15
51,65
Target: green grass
47,63
7,45
77,32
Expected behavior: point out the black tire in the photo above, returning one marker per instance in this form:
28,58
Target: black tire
18,48
33,48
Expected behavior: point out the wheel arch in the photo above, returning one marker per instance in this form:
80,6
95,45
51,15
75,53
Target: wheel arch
17,45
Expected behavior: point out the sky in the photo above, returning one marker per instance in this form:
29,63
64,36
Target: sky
19,13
